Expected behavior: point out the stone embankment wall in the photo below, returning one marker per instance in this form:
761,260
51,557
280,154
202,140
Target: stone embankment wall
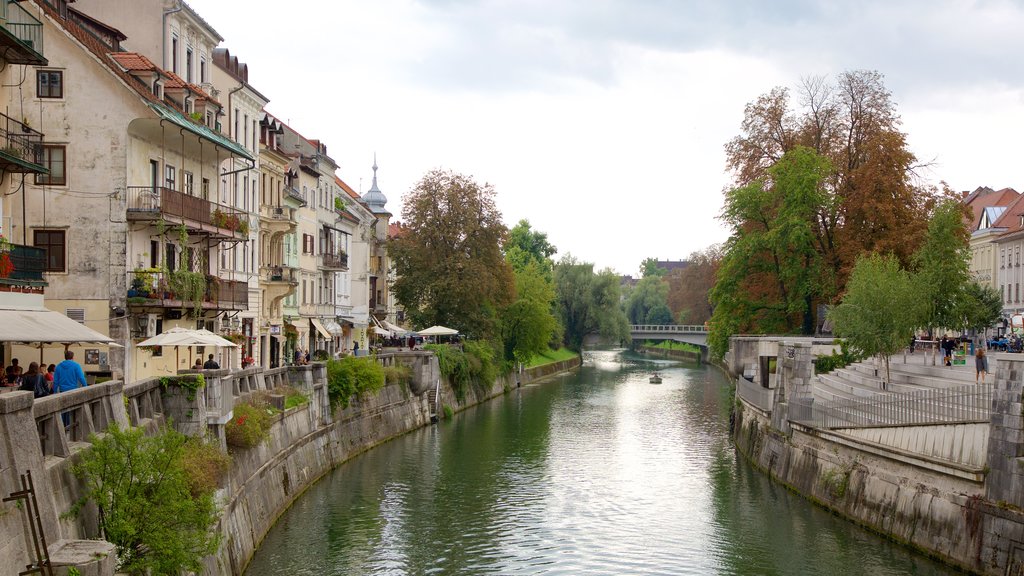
305,443
969,516
684,355
267,479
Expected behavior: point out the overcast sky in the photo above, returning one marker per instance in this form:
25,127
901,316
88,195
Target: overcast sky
603,122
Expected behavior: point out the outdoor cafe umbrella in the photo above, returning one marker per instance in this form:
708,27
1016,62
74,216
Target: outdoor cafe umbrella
38,326
179,336
438,331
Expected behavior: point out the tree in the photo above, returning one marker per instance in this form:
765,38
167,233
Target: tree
448,261
880,309
854,124
773,272
133,479
588,302
650,292
982,307
659,314
689,289
649,268
527,324
943,271
525,245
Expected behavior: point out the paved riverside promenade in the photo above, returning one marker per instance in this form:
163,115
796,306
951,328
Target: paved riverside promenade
924,456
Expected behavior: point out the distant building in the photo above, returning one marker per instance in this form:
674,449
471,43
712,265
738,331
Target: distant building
671,266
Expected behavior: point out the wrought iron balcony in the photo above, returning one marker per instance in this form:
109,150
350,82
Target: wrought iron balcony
154,202
27,265
294,193
20,146
21,35
334,261
279,274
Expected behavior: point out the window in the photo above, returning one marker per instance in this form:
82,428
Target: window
154,253
1017,256
307,244
1002,292
202,69
174,54
53,158
186,182
170,177
49,84
188,64
1002,258
1017,290
206,188
169,257
54,243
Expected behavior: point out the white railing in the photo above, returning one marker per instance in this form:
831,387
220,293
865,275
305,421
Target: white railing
968,403
668,328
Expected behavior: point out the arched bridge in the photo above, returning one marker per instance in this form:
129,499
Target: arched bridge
690,334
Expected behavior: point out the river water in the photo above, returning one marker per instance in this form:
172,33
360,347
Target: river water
598,473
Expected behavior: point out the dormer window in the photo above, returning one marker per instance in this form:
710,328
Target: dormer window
158,89
189,105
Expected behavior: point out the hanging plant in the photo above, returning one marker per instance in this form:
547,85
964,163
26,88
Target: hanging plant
6,265
5,245
189,286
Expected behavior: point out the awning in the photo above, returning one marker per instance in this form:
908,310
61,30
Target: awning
398,330
321,328
40,325
300,327
333,327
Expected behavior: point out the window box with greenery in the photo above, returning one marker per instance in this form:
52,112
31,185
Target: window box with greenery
190,287
230,222
143,282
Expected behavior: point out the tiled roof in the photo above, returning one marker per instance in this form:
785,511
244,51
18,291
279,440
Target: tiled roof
348,189
1011,218
984,197
132,61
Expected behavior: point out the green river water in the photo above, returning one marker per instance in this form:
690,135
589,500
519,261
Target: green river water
596,473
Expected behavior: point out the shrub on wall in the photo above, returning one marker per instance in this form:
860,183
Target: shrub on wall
473,364
134,479
397,374
250,424
836,360
353,375
205,464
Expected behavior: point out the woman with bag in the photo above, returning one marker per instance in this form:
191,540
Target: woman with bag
34,381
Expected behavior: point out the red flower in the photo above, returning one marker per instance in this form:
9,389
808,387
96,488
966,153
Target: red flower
6,266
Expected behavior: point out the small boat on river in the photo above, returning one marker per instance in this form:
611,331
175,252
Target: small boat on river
655,378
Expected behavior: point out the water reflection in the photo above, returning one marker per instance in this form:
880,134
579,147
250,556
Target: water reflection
598,473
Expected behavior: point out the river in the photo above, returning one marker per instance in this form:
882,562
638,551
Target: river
598,473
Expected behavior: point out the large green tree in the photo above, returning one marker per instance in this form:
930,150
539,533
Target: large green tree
588,302
524,245
943,270
448,261
651,292
880,309
528,325
773,272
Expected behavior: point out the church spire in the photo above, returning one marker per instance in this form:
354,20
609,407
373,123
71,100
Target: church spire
374,198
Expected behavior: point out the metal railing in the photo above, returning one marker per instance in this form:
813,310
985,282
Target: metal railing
279,274
968,403
26,28
21,143
668,328
282,213
157,200
157,286
29,264
334,261
754,394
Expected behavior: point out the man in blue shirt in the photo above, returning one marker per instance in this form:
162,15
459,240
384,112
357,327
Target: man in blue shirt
68,375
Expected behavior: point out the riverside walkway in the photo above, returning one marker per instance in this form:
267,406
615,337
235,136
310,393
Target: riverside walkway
922,454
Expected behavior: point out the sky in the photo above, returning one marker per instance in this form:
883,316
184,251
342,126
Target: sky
603,122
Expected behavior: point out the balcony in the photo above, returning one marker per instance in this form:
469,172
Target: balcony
21,36
20,147
284,274
318,310
154,203
294,194
27,264
154,289
337,262
277,219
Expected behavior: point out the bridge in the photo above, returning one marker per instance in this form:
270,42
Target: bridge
697,335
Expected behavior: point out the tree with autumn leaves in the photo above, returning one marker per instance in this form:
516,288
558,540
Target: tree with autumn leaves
816,186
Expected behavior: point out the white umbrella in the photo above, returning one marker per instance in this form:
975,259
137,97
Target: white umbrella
179,336
438,331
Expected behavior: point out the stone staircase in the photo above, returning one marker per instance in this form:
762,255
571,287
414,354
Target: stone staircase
864,379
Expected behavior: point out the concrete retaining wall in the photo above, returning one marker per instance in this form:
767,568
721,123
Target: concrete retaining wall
968,515
265,480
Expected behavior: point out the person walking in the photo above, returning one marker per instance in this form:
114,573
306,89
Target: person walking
980,365
68,375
